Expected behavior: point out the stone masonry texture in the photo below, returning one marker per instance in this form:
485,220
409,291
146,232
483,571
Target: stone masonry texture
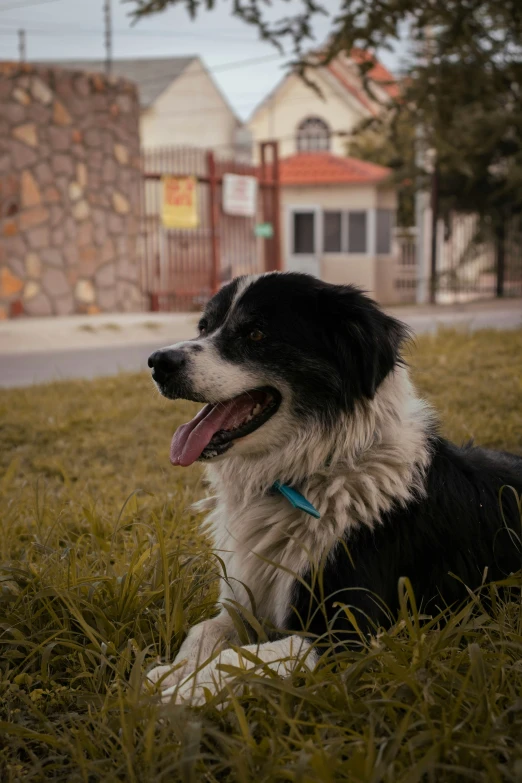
70,192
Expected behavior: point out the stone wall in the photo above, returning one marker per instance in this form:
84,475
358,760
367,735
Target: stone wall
70,184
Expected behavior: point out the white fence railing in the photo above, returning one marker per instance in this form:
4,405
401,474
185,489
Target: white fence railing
466,261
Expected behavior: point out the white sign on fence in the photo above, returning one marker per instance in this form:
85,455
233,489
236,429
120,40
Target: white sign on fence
239,195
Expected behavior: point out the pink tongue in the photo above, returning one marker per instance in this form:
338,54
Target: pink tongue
192,438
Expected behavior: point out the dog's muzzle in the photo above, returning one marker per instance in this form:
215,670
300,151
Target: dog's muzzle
166,363
220,423
169,371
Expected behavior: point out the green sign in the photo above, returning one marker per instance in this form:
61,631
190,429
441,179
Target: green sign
264,230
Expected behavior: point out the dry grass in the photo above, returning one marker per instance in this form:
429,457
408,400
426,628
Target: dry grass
103,570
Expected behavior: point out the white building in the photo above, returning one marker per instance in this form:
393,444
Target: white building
302,119
181,105
337,220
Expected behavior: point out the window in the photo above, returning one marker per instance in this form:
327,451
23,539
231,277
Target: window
304,232
406,283
332,232
341,231
357,232
313,135
384,231
335,237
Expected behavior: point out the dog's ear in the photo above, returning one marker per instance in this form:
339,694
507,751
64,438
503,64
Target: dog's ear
366,342
386,337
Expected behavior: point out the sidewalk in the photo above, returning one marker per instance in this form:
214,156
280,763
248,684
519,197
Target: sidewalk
36,335
489,314
38,350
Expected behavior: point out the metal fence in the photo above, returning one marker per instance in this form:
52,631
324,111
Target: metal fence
183,268
405,256
470,261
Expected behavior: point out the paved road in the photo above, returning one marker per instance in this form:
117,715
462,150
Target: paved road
24,368
27,368
472,320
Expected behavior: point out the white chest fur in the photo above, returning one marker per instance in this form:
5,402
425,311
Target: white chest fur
263,547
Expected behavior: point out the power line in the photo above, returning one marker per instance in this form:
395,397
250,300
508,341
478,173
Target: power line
54,30
217,69
231,66
225,67
25,4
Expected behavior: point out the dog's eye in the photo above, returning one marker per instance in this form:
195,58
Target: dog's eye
203,327
256,335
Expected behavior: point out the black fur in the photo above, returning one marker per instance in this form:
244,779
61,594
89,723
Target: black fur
464,532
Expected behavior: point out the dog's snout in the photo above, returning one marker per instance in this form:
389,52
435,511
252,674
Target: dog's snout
167,362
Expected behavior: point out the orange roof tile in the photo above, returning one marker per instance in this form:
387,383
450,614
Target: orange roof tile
360,95
378,72
323,168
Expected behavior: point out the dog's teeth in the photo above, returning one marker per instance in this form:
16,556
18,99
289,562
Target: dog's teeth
256,410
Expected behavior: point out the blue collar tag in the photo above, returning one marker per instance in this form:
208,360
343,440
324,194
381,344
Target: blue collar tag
296,499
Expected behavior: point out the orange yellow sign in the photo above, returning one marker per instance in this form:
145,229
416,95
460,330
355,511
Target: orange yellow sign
180,202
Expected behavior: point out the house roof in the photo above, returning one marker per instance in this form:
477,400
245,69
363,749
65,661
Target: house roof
348,80
151,75
341,69
323,168
378,72
352,88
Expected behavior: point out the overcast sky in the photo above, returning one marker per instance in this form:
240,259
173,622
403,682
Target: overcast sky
74,28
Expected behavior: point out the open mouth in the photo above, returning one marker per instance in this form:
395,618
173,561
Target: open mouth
214,429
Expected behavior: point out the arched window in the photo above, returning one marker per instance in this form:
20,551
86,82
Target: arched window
313,134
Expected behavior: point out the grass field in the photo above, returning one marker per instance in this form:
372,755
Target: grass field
103,569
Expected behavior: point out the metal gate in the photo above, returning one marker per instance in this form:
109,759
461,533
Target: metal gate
469,260
183,268
460,260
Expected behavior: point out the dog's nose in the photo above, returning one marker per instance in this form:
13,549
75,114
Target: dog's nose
167,362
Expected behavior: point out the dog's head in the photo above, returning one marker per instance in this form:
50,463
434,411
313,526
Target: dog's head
274,354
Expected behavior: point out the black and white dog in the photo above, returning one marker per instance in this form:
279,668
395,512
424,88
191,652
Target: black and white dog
329,479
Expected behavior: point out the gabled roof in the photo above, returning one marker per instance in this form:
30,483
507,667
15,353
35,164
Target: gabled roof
353,89
345,70
323,168
378,73
151,75
348,79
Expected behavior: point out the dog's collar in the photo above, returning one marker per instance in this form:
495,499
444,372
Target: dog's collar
296,499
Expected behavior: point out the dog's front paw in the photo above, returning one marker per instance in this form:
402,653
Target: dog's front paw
168,676
224,671
202,642
210,679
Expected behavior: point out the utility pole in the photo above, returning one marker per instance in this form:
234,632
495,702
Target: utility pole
21,45
500,247
420,219
430,45
434,231
425,274
108,35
